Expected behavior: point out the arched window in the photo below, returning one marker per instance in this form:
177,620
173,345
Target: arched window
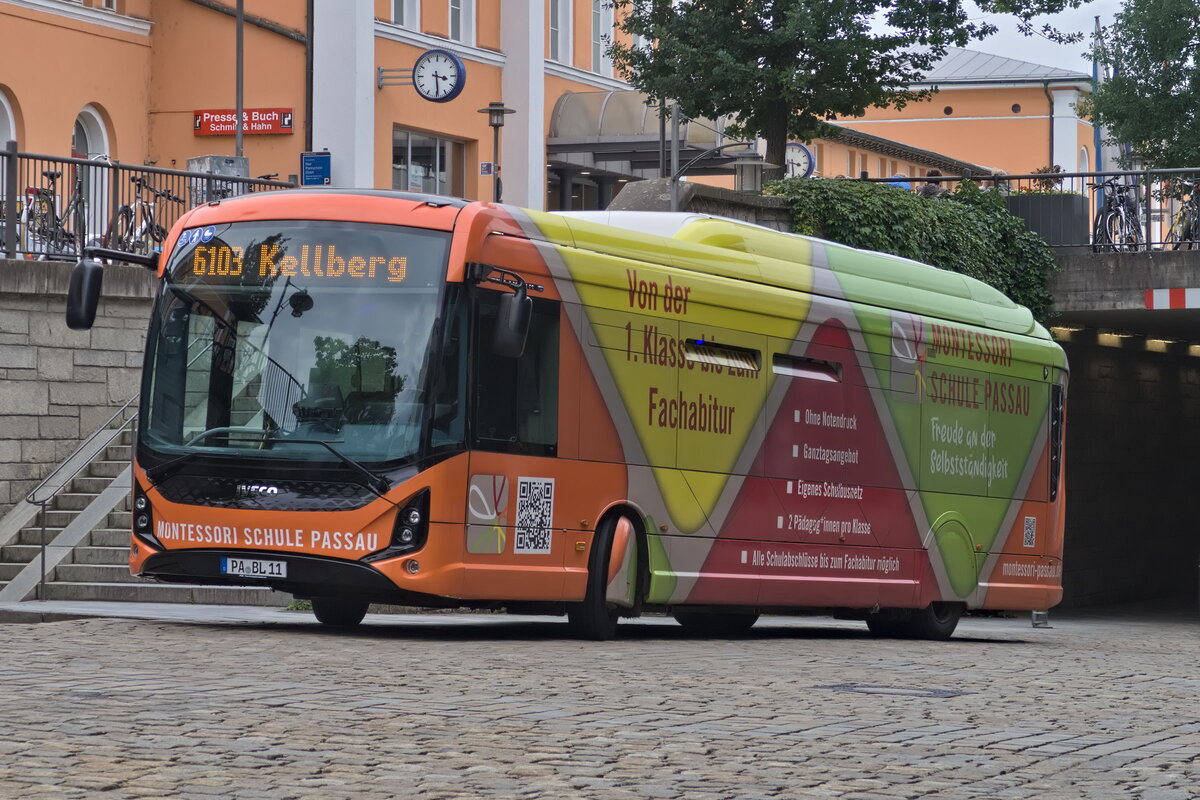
90,137
1085,162
8,119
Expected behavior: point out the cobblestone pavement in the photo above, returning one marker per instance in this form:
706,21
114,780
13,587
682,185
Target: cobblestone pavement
479,706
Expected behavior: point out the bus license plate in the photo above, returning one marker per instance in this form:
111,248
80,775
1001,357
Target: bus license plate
253,568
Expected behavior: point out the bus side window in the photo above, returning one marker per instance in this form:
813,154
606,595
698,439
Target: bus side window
516,399
450,380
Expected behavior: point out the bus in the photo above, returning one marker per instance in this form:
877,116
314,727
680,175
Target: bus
365,396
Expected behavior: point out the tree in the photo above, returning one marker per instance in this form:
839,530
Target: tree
783,68
1152,100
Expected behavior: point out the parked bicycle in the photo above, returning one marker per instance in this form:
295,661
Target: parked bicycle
49,232
134,228
1185,227
1118,225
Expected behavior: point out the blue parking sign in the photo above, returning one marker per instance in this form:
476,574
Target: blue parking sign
316,168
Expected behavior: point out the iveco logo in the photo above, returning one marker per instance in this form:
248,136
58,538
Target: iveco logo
246,489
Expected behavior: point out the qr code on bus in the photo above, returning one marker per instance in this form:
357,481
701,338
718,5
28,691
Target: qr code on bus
535,514
1030,539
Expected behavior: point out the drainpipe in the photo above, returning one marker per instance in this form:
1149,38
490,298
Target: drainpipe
1050,100
308,78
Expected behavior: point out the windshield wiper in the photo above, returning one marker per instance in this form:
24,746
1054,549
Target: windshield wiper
372,480
163,471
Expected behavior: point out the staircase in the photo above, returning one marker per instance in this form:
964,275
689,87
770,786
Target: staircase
87,536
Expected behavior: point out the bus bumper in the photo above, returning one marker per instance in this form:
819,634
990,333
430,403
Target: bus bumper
307,575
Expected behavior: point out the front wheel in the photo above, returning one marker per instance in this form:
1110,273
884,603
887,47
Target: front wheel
595,618
339,612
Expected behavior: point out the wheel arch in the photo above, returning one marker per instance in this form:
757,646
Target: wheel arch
635,576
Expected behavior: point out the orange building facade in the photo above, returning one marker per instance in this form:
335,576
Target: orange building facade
1001,113
154,82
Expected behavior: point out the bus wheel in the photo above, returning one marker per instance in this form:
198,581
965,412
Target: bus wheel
721,623
339,612
936,621
594,618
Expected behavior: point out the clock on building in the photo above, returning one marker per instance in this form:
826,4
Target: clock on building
439,75
799,160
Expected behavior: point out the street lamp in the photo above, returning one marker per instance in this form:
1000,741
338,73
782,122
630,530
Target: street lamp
674,179
496,113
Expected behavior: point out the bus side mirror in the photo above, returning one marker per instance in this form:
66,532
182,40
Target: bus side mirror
83,294
512,324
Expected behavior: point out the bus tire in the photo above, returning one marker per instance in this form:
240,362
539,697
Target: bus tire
936,621
720,623
594,618
339,612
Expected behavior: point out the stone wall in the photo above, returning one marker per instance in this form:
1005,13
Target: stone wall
59,385
655,195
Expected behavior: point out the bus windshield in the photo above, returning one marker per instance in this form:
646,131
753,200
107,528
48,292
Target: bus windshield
316,333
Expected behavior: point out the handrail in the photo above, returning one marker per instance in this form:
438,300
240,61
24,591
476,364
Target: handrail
32,497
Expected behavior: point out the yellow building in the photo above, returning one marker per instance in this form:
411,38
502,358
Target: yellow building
1000,112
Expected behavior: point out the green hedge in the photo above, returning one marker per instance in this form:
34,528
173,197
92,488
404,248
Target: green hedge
969,231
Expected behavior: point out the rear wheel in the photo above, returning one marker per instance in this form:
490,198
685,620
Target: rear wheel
595,618
936,621
339,612
120,230
721,623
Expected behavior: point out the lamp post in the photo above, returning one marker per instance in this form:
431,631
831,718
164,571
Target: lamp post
674,179
496,113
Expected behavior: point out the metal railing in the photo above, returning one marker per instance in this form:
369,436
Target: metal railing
1064,207
52,206
69,468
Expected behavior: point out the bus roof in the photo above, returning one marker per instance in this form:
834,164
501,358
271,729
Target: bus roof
864,276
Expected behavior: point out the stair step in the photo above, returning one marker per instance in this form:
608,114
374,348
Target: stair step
109,537
9,571
73,501
91,573
19,553
102,555
99,537
118,452
166,593
106,469
85,484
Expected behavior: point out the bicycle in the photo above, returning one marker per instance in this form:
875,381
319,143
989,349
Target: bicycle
1118,225
133,228
46,230
1185,227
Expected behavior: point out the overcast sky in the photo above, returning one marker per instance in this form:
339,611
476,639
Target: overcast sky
1039,50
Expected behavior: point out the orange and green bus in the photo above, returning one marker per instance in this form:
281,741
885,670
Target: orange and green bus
375,397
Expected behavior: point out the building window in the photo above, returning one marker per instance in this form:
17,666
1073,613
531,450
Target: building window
428,164
407,13
462,21
560,31
1085,162
602,24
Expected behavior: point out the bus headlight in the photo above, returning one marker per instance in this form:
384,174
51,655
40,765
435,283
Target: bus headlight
409,532
143,518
